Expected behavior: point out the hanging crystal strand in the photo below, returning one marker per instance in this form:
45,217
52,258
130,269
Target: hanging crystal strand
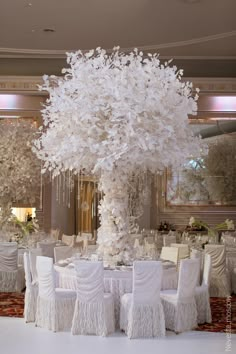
81,203
56,186
41,190
63,186
59,188
66,188
78,182
78,197
69,188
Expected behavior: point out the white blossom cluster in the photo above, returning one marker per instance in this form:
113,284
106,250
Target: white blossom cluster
116,110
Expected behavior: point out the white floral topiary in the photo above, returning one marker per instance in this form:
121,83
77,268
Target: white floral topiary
113,115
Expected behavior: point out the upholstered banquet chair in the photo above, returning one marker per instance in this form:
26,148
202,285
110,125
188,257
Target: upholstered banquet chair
141,313
196,254
94,309
62,252
179,305
12,277
183,253
202,296
55,233
31,292
220,279
33,254
55,306
83,239
170,254
68,240
168,239
231,267
229,241
47,248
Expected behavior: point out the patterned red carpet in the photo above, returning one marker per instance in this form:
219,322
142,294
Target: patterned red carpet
223,311
12,304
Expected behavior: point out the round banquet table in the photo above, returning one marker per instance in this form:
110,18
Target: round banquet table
117,282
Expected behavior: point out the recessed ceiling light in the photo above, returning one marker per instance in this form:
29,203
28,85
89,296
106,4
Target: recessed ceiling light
49,30
191,1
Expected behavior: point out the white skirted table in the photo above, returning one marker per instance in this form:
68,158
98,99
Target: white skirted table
117,281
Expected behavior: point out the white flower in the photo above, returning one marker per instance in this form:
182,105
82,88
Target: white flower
229,224
191,221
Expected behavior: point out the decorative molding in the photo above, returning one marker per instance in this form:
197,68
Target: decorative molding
21,84
45,53
29,84
213,85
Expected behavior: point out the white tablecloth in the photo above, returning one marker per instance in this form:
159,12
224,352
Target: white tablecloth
117,282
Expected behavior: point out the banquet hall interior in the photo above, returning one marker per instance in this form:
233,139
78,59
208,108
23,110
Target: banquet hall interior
117,176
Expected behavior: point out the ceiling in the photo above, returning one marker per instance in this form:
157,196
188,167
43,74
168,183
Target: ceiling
199,34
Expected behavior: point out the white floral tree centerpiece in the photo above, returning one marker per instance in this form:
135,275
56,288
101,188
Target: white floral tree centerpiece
113,115
19,167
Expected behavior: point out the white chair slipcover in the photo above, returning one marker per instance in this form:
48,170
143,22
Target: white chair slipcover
117,282
55,234
220,281
12,277
47,248
168,239
141,313
233,280
62,252
183,253
229,241
196,254
170,254
92,249
33,253
68,240
202,294
179,305
55,306
94,310
31,292
231,267
84,238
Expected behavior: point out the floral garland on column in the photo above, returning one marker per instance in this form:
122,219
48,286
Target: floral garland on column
112,115
19,167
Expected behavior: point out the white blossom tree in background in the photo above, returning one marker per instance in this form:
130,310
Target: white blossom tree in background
19,167
220,169
114,115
